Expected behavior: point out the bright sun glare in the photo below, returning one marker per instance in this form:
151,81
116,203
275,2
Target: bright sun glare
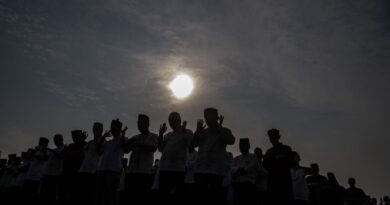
181,86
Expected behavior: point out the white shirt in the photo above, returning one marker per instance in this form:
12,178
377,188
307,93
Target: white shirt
111,159
174,151
91,158
156,181
300,190
141,161
190,165
53,166
35,170
251,166
212,151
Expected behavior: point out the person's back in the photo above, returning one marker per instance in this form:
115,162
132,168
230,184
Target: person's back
354,195
74,153
244,173
317,183
278,161
334,193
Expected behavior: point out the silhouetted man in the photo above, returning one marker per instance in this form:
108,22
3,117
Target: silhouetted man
354,195
73,158
244,169
52,172
35,171
298,177
278,161
333,193
317,184
210,166
87,171
173,146
109,169
139,178
261,178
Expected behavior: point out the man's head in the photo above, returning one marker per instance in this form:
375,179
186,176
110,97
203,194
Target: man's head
244,145
315,168
211,117
274,136
77,136
259,153
97,129
58,140
296,158
174,121
386,199
143,123
352,182
116,127
43,142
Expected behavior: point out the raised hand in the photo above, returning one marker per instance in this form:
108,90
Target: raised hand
163,129
184,126
200,126
220,119
106,134
123,132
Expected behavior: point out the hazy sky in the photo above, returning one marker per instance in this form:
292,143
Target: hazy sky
317,70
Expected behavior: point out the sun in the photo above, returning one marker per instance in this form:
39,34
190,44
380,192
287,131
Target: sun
181,86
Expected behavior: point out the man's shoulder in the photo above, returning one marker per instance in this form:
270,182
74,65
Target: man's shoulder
152,135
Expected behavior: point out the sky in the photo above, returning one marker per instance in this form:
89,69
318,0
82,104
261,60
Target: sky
316,70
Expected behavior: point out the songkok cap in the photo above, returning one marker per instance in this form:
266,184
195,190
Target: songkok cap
211,111
244,141
116,123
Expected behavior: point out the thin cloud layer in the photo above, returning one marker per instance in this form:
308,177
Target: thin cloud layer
316,70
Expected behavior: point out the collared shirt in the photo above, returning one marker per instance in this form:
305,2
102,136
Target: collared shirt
35,170
212,151
174,151
250,164
53,166
91,158
111,159
141,161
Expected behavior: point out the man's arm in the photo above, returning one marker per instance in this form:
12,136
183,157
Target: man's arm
227,136
160,139
196,137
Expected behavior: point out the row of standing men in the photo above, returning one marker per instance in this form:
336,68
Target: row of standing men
95,172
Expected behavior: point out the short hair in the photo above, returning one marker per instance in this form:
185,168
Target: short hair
98,125
143,117
174,114
211,111
58,136
273,132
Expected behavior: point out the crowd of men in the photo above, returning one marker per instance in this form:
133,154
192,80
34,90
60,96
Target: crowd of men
194,168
